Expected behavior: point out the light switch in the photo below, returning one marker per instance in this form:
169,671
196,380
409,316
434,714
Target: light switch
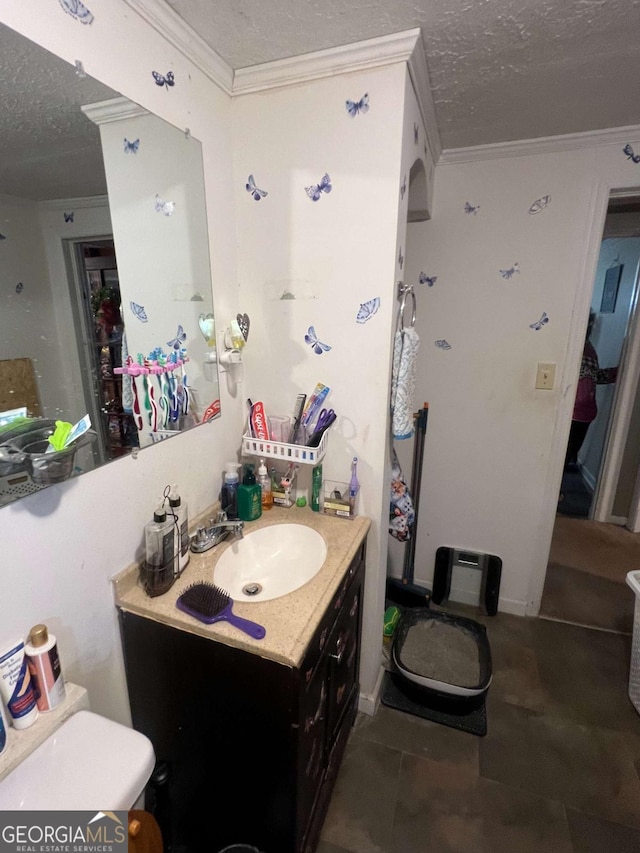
546,376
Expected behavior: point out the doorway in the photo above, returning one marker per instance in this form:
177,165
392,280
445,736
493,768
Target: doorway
95,292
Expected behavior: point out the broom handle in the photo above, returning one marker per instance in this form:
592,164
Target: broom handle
416,480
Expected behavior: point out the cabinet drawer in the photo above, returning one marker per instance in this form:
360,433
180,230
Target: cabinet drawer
319,641
343,659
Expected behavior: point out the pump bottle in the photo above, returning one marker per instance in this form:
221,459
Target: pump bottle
161,542
249,500
229,493
181,521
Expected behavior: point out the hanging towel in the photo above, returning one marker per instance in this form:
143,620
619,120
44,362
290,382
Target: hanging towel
402,513
403,380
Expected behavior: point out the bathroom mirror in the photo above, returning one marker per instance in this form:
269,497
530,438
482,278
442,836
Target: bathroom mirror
104,268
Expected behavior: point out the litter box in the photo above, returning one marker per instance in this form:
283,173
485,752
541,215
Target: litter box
441,669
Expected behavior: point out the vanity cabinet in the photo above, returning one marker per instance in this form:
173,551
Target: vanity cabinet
251,746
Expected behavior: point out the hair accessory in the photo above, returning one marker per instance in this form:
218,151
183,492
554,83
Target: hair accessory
209,604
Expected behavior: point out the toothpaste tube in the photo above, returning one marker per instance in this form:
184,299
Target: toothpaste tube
79,429
315,403
259,425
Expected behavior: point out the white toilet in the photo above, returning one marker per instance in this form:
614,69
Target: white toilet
88,763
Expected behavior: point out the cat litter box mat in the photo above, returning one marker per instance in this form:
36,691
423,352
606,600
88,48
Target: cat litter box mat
469,716
447,655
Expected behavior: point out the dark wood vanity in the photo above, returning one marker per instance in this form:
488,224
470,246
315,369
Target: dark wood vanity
251,746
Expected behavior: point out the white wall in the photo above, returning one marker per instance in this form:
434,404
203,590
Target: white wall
495,444
61,547
332,255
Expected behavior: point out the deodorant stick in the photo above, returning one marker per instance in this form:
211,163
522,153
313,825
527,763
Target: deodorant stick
44,666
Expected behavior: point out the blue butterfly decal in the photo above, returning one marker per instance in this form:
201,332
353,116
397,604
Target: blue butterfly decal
355,107
138,311
68,217
540,203
19,287
628,150
403,188
166,80
80,69
164,207
470,208
400,257
415,133
251,187
180,338
510,272
315,190
442,344
77,10
312,339
367,310
2,237
429,280
539,323
131,147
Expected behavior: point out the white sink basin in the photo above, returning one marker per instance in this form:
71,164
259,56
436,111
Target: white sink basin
270,562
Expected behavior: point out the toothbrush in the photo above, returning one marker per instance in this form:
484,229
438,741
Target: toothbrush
354,485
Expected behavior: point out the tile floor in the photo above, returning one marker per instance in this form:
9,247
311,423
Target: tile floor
558,772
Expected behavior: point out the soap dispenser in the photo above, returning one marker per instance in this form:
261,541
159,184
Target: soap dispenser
180,512
229,493
249,496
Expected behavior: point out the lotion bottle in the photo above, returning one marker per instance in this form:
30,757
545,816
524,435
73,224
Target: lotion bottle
264,481
44,665
249,497
181,516
15,686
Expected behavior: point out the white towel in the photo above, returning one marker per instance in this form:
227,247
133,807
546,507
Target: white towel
403,381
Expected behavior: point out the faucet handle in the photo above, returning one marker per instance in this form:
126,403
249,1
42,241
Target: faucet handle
221,516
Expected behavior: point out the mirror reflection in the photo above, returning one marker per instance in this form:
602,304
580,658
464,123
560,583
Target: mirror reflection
104,273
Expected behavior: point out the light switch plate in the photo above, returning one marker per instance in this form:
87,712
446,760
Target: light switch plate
545,376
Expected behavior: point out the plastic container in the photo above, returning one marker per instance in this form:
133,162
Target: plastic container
15,686
633,580
298,453
181,514
44,665
229,491
159,569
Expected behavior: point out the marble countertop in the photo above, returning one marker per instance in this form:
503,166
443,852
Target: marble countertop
289,621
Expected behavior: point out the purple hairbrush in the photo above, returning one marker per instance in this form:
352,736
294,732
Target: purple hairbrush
209,604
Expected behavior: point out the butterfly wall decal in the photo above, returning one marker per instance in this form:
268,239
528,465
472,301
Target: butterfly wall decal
251,188
628,150
312,339
68,217
81,73
77,10
315,190
510,272
355,107
131,147
138,311
164,207
400,258
2,237
403,188
19,287
429,280
180,338
165,80
540,323
471,208
415,133
442,344
367,310
539,204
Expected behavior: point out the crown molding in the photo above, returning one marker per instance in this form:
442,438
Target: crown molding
171,26
82,202
543,145
358,56
115,109
419,74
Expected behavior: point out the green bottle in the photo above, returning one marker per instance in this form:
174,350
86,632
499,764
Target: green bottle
316,485
249,496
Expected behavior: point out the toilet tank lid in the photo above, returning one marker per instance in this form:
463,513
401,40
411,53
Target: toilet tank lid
88,763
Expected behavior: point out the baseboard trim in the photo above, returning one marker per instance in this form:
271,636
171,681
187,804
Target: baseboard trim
368,702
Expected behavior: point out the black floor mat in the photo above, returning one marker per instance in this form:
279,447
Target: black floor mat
468,716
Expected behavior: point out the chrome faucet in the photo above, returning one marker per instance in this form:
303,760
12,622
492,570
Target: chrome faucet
218,530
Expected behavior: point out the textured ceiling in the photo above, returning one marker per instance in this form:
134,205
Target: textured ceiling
49,148
500,69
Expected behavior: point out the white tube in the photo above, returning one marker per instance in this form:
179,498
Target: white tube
15,686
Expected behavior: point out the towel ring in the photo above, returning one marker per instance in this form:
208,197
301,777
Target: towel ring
403,305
